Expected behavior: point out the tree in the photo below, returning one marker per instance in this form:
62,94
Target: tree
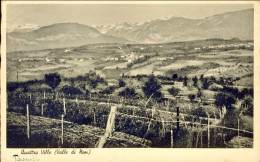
185,81
247,107
174,91
212,79
201,77
199,94
53,80
121,83
192,97
174,76
205,83
128,92
70,90
195,81
224,101
152,88
180,79
221,81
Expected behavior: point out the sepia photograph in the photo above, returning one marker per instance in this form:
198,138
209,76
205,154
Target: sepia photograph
128,75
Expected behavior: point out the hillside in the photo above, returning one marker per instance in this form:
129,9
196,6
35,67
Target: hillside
58,36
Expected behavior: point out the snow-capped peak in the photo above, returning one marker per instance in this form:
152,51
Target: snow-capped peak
167,17
24,28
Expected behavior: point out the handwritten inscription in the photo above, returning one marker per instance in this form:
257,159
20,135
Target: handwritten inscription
31,158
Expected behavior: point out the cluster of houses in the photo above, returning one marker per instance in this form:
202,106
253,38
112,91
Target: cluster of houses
128,57
64,60
209,54
29,59
247,45
164,58
131,57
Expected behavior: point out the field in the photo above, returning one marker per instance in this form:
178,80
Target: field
166,95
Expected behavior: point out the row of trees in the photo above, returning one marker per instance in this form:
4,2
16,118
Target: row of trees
226,96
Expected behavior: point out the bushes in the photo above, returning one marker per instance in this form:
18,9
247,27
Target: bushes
121,83
53,109
128,92
69,90
108,90
191,97
174,91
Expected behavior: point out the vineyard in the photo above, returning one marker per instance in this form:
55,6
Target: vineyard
80,121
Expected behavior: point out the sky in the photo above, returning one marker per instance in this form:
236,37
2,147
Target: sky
101,14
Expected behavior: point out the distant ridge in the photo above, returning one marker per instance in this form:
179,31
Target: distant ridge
227,25
238,24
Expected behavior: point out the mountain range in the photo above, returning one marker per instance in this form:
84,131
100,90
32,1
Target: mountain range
238,24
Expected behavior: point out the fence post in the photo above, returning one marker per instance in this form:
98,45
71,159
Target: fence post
94,116
171,138
178,119
168,104
28,121
64,106
208,133
109,128
44,95
42,110
201,131
62,129
30,97
201,138
163,128
57,94
238,126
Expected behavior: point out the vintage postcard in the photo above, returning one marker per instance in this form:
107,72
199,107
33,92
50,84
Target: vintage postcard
130,81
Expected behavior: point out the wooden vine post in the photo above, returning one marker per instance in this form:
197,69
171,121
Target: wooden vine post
28,121
94,116
163,128
62,134
57,94
42,110
64,106
178,119
31,97
238,131
208,132
109,128
171,138
44,95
